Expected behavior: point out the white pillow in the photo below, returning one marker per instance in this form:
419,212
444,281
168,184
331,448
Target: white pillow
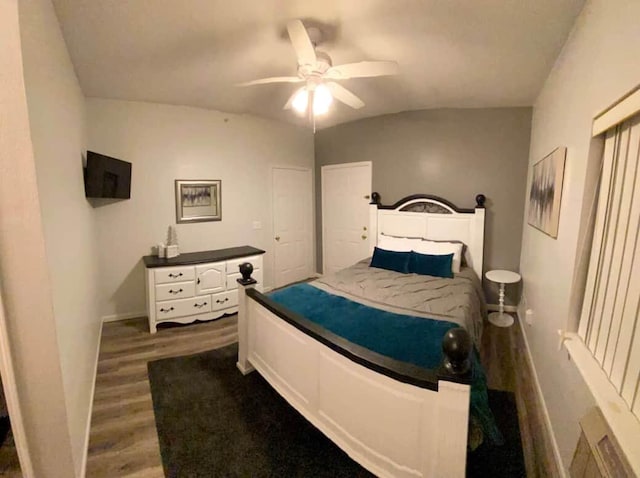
397,244
442,248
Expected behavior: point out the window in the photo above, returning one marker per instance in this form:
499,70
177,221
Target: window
612,295
606,347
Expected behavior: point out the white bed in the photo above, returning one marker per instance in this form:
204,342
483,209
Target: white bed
394,419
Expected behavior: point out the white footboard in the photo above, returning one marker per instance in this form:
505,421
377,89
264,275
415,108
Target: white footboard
390,427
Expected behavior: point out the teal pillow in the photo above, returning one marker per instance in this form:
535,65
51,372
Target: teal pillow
431,265
390,260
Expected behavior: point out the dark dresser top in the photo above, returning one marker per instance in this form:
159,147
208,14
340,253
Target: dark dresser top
202,257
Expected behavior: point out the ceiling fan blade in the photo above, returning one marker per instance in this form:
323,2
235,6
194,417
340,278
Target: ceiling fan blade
301,42
362,69
340,93
274,79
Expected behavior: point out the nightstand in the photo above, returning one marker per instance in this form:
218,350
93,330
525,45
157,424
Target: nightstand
502,277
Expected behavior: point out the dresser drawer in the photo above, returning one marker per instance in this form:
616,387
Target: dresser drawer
169,309
232,265
233,278
176,290
174,274
224,300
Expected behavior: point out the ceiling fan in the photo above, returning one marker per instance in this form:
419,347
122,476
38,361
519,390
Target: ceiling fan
316,70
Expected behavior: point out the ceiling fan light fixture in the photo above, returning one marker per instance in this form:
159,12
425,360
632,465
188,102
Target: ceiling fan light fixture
316,69
322,99
300,100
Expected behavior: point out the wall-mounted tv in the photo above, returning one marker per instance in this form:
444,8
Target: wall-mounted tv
107,177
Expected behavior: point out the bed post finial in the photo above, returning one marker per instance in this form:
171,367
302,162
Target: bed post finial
480,199
246,269
375,198
457,347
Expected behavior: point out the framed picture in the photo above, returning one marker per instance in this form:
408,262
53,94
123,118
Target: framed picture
198,200
546,192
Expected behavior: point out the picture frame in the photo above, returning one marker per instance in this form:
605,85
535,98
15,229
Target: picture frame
198,200
545,193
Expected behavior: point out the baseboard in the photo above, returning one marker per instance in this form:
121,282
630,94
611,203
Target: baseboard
507,308
85,455
125,316
317,275
543,403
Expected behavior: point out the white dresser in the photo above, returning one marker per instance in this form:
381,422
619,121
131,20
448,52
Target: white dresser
197,285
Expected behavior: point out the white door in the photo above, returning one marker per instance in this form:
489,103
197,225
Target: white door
346,190
211,278
292,226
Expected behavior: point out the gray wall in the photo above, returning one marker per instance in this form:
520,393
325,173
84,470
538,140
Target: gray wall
452,153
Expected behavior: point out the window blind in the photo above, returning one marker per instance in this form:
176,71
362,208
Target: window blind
609,320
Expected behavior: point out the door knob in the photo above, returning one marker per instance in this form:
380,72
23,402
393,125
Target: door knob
367,197
364,228
277,238
363,237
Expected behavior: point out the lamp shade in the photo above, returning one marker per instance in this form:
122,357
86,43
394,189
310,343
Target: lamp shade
300,100
322,99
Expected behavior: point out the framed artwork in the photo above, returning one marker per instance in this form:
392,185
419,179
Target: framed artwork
546,192
198,200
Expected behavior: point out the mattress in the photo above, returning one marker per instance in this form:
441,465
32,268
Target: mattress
459,300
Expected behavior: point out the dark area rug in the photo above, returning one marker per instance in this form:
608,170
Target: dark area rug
212,421
500,461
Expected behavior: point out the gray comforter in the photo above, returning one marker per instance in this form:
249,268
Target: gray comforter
458,300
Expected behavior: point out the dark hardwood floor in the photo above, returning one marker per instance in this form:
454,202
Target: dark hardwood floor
9,464
123,440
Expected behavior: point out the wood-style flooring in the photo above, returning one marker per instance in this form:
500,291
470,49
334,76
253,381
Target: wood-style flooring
123,440
504,356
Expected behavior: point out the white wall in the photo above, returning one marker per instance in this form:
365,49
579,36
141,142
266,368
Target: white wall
598,64
24,278
57,120
165,143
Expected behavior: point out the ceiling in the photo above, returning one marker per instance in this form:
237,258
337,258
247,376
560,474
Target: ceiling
451,53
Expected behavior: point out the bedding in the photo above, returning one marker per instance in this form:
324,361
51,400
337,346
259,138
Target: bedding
442,248
425,246
398,244
391,260
431,265
459,300
402,337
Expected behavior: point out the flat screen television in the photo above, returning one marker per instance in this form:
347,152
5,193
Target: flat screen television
107,177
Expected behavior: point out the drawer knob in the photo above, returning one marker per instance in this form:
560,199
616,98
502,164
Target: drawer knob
218,301
171,291
173,276
199,306
166,310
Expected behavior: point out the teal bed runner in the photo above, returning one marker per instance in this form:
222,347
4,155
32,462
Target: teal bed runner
406,338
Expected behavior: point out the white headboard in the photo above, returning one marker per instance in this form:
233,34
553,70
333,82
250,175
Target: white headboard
431,217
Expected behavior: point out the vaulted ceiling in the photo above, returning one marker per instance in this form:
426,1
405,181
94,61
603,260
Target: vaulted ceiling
451,53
